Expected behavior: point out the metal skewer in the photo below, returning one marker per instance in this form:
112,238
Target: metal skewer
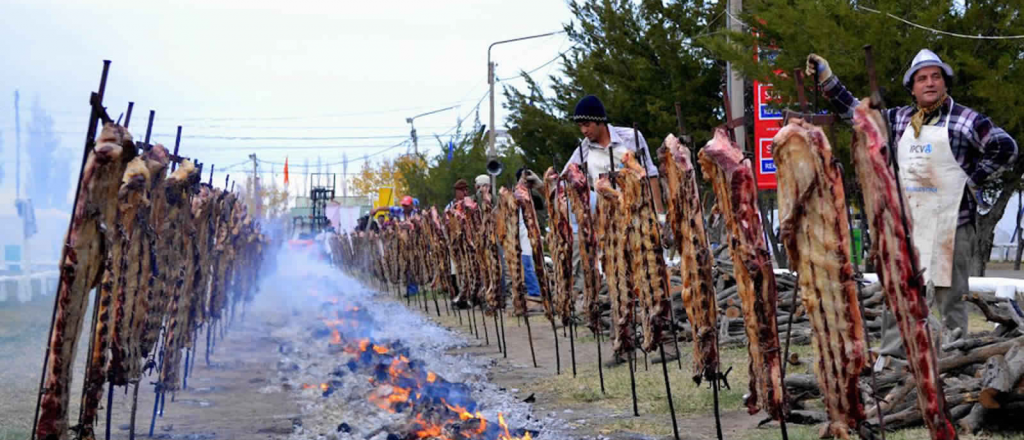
665,286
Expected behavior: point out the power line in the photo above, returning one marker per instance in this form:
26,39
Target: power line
937,31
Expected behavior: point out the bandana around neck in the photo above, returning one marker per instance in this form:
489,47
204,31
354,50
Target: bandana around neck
917,121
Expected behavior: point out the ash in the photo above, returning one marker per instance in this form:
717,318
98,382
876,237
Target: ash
334,382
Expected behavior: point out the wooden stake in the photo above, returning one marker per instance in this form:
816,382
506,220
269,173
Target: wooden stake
529,335
668,390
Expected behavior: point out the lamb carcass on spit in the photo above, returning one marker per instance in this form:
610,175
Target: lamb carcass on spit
686,218
816,231
579,193
733,181
84,255
894,253
559,238
613,226
650,274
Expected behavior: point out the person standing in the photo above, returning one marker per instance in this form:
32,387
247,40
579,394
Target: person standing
945,151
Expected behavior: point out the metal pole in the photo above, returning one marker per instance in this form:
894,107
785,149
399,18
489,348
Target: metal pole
149,125
17,146
491,152
734,81
128,115
177,143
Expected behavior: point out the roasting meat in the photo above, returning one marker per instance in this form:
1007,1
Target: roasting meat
686,218
613,229
85,252
579,193
816,231
894,254
650,275
488,232
559,239
180,240
525,202
733,181
509,212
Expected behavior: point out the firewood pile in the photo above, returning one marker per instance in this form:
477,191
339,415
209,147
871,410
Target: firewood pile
166,256
982,378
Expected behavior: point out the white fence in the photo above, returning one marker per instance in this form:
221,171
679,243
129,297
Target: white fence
25,287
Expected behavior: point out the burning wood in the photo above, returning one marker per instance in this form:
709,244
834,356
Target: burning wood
733,183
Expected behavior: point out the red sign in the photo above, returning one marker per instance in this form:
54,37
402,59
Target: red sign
767,122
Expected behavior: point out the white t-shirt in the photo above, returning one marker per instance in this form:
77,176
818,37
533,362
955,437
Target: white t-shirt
597,157
524,237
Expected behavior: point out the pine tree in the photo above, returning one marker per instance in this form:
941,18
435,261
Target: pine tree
988,72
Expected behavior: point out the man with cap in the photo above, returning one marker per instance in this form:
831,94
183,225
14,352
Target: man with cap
945,152
601,141
601,145
403,213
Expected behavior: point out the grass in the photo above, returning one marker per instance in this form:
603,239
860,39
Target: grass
687,397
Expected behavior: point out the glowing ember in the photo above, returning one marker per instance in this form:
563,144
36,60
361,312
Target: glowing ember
335,337
380,350
364,344
431,377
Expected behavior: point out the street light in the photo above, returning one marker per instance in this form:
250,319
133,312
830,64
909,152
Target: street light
491,152
493,166
412,132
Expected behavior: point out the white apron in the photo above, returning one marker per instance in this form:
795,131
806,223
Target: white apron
933,183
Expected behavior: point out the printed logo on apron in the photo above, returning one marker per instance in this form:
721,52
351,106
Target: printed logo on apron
933,183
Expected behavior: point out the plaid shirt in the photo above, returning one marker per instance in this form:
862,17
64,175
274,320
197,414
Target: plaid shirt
982,149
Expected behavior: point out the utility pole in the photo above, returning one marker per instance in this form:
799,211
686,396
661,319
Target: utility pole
344,175
734,81
17,147
255,187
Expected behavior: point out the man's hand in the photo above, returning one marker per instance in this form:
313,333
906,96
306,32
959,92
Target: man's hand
818,67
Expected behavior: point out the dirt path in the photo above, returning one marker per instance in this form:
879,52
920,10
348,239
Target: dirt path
579,401
223,401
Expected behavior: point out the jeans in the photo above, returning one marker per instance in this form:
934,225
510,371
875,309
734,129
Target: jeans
412,290
530,276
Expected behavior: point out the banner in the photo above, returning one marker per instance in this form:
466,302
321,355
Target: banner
385,197
767,122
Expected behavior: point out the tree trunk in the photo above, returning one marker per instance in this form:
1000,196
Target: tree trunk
1017,230
986,226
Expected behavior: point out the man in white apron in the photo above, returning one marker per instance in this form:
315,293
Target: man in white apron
944,151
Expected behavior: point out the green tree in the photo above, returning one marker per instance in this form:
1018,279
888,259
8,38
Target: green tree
987,72
430,179
639,58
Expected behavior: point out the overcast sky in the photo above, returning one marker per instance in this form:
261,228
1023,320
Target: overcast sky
257,68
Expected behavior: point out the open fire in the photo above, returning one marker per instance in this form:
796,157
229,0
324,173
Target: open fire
435,408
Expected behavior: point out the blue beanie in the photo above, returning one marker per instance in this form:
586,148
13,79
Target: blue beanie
589,109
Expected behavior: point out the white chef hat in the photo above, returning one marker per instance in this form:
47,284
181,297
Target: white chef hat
925,58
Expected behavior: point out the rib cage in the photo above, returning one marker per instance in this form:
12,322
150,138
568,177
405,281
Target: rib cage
815,229
559,239
734,186
893,252
686,218
580,196
617,269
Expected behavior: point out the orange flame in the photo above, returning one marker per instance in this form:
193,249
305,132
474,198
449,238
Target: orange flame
324,386
364,344
335,337
431,377
380,350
